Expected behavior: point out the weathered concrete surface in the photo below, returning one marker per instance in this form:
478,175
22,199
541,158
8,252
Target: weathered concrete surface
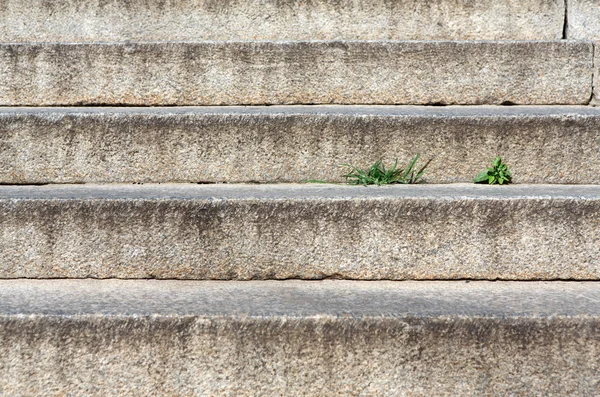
299,338
294,143
344,72
583,19
196,20
244,232
596,85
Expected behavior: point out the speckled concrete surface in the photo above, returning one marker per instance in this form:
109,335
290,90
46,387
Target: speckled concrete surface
98,338
300,231
596,88
196,20
344,72
583,17
294,143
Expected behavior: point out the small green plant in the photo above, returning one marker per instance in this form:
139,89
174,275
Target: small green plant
377,174
498,173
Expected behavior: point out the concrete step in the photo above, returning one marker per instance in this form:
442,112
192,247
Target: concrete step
98,338
195,20
240,232
583,19
294,143
343,72
596,93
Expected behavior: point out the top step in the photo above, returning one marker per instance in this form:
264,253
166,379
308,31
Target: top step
240,20
583,19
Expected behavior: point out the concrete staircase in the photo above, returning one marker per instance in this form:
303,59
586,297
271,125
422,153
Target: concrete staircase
262,284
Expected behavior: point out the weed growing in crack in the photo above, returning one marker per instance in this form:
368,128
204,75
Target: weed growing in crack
379,175
498,173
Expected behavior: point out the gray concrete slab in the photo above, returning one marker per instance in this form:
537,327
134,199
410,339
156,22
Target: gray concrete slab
520,232
197,20
583,19
322,72
294,143
298,338
298,299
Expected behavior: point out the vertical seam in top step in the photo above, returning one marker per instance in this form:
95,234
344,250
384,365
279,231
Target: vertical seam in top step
565,21
593,100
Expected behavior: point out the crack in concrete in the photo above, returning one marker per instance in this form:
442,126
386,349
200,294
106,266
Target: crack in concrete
565,21
593,100
336,277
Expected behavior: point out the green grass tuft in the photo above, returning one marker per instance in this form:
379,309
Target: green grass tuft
377,174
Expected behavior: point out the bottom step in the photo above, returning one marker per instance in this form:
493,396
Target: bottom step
314,338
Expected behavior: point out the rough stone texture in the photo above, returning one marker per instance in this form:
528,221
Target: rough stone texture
299,338
300,231
196,20
596,85
294,143
352,72
583,19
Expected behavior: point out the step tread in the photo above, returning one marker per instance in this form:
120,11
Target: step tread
272,299
450,111
295,192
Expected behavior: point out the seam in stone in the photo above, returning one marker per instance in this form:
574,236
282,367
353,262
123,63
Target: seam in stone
499,280
593,100
565,21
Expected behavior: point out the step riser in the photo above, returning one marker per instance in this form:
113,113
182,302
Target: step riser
356,233
191,20
293,144
326,339
324,357
232,73
196,20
